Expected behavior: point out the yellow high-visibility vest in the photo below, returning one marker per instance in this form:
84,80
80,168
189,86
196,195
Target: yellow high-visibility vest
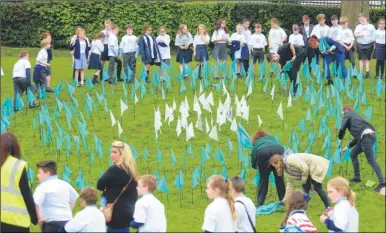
13,208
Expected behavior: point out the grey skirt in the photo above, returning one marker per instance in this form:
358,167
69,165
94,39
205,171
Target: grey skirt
220,51
81,63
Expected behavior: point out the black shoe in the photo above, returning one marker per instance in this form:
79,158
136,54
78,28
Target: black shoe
216,78
34,105
48,89
95,82
330,82
120,80
185,77
147,80
379,187
355,180
15,110
112,82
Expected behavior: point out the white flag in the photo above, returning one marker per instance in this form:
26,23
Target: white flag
245,113
167,113
124,107
187,104
174,105
289,104
207,126
249,89
178,127
224,89
199,124
202,99
209,99
196,105
273,91
213,133
135,98
201,89
189,131
280,111
259,120
120,130
163,94
234,125
113,121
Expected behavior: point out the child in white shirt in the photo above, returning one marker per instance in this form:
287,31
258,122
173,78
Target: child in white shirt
149,214
296,38
344,217
114,55
245,209
200,47
237,55
163,44
97,49
335,31
379,44
276,36
41,72
129,50
220,215
257,44
348,40
321,29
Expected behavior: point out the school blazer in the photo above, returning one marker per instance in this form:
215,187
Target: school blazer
302,31
235,45
308,165
76,48
145,51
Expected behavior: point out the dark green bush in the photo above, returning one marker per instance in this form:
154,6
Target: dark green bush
23,23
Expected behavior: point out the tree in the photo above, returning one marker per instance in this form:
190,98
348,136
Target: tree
352,9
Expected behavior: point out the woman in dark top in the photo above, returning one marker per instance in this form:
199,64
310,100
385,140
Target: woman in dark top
10,148
286,53
264,147
112,183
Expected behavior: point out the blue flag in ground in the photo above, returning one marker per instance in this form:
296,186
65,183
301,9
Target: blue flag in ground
243,138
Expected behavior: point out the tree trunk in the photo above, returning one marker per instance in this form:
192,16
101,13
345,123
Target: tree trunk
352,9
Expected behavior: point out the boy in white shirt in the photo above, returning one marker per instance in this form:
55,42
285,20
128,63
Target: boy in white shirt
114,55
90,219
163,43
22,78
245,209
276,36
335,31
239,38
149,214
129,49
348,40
321,29
54,198
41,72
296,38
257,44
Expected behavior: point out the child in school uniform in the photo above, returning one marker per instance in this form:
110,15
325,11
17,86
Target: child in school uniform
321,29
95,54
257,43
335,30
114,55
183,41
81,50
239,48
40,71
348,40
71,48
379,45
247,34
200,47
149,50
107,31
149,213
296,38
47,36
343,217
163,43
245,208
276,36
129,49
296,216
364,34
220,38
220,215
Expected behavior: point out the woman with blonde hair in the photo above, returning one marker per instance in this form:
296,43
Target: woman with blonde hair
307,168
220,215
121,177
344,217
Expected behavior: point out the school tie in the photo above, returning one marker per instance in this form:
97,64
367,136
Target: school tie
148,45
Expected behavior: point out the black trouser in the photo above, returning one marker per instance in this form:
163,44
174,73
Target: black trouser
380,65
129,60
20,86
53,226
350,55
310,53
245,63
318,189
293,73
112,61
265,168
366,145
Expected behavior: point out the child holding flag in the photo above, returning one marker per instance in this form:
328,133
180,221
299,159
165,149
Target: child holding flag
220,215
149,214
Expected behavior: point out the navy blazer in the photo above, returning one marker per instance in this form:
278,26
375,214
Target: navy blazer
76,46
302,31
145,51
235,45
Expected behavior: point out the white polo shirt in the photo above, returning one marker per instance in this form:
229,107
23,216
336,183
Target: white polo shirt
276,36
334,32
379,36
42,56
345,216
243,224
150,211
367,30
218,217
347,35
20,67
113,45
129,44
257,41
54,197
296,39
90,219
97,47
164,51
320,30
220,34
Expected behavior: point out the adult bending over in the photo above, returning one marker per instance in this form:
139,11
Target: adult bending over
114,180
264,147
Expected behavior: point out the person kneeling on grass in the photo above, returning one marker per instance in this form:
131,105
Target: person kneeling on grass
149,214
90,219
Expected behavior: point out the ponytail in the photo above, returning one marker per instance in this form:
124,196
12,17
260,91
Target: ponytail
351,197
342,185
231,200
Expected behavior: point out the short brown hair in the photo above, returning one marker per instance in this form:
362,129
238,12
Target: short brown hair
100,35
348,107
275,21
380,20
343,20
363,15
107,21
259,134
238,184
89,195
312,41
258,25
129,26
245,20
147,26
320,17
44,43
114,26
149,181
23,54
45,35
295,201
306,17
47,166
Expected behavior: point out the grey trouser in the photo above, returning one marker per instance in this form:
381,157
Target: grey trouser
20,85
112,61
129,60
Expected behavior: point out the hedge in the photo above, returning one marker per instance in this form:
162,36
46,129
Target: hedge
23,23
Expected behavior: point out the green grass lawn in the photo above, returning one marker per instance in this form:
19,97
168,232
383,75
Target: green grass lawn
185,211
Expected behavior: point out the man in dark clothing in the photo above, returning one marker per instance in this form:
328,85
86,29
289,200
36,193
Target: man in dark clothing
364,139
288,52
